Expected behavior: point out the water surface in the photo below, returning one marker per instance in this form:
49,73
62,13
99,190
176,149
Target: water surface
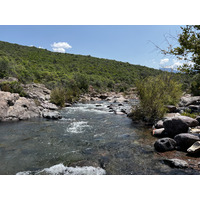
87,135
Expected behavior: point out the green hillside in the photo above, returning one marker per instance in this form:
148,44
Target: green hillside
31,64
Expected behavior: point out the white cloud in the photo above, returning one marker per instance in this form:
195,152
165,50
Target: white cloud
164,60
41,47
60,46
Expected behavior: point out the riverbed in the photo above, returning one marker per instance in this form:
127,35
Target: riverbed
89,139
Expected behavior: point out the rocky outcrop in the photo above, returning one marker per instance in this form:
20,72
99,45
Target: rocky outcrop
36,104
14,107
37,91
165,144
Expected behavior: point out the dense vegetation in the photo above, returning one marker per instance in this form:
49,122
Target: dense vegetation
31,64
71,73
155,93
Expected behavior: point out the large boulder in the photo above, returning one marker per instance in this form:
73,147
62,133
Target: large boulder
174,126
181,124
195,148
165,144
186,140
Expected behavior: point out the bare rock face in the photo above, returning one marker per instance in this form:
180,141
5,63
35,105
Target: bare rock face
14,107
37,91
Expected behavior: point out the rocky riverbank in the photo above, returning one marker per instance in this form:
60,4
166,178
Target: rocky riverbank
179,133
35,104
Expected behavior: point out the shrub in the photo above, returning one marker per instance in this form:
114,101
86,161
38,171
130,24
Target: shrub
13,87
58,96
154,94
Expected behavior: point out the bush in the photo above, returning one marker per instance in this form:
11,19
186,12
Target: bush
13,87
58,96
154,94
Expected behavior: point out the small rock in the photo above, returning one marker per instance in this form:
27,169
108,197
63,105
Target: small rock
159,124
165,144
68,104
51,114
171,108
177,163
159,132
195,148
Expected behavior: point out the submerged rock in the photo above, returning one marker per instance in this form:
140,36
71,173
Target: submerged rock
51,114
195,148
185,140
177,163
165,144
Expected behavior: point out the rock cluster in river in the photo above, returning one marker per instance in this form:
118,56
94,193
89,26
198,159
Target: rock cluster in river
35,104
176,133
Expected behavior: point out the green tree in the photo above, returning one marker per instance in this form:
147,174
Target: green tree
188,48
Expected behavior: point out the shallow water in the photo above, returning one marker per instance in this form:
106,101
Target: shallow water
88,136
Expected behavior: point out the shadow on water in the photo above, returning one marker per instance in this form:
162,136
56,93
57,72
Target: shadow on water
87,135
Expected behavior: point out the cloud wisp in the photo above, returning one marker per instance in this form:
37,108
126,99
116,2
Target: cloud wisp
60,46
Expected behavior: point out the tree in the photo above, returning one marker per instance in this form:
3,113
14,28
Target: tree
188,49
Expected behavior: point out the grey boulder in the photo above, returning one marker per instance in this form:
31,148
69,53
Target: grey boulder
51,114
165,144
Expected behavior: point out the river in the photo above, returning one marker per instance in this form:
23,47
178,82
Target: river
87,140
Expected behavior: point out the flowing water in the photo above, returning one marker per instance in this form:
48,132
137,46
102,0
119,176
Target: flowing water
87,140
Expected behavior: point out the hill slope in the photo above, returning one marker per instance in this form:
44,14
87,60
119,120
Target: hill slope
31,64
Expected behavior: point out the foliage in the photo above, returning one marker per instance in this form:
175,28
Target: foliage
13,87
154,94
190,114
58,96
188,49
31,64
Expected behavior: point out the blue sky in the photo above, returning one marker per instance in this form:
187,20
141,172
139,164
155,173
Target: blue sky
132,43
